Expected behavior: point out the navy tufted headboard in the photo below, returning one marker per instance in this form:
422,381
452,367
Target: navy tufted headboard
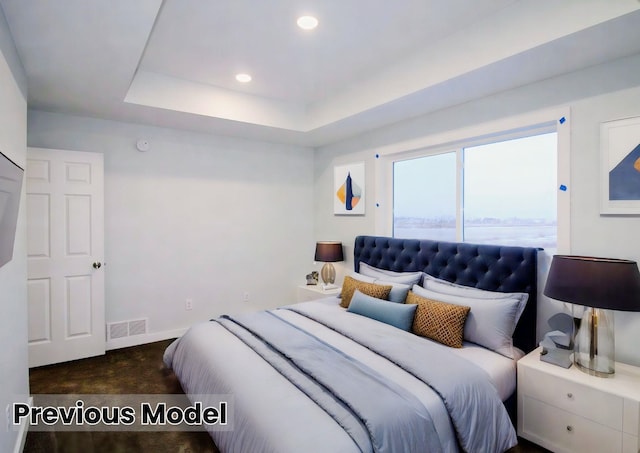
490,267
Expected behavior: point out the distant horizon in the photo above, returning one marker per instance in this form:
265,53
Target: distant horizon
484,221
542,236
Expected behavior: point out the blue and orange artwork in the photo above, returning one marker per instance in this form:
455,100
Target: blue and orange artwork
349,193
348,189
624,178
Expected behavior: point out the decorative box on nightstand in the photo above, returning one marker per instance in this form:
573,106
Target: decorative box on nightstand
312,292
567,410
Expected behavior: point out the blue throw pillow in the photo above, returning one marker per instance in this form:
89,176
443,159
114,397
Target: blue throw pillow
398,291
397,315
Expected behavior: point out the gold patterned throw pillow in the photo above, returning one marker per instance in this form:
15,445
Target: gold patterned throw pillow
439,321
350,285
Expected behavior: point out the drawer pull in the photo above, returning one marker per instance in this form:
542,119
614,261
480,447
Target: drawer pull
569,395
569,428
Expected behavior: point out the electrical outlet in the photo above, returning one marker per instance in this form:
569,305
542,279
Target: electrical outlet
188,304
245,296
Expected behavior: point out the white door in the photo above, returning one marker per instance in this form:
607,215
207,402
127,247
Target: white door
65,249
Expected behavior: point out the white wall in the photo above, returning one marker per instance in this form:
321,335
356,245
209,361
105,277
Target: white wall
14,378
612,236
197,216
594,95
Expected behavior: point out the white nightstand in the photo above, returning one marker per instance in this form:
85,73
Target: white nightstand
312,292
567,410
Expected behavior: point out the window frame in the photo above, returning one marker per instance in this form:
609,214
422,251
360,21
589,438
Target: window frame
556,120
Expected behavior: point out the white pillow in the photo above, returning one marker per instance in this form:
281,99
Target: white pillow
490,322
398,291
443,286
362,278
408,278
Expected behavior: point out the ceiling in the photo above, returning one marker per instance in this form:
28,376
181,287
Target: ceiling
369,63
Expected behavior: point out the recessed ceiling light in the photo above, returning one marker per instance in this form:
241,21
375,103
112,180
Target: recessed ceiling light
307,22
243,78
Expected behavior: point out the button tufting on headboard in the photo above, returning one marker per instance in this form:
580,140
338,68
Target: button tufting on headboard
490,267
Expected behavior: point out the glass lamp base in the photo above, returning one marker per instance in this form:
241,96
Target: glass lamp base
328,274
594,348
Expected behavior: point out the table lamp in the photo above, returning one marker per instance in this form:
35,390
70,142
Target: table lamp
601,285
328,252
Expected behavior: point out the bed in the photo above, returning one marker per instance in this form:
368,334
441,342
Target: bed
349,374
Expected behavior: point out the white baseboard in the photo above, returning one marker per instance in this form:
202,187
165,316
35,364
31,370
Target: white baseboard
135,340
22,433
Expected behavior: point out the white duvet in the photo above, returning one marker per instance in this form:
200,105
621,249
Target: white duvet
271,415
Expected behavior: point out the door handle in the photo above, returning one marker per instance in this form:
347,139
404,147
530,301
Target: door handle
97,265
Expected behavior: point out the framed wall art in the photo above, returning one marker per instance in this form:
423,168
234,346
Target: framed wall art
348,189
620,166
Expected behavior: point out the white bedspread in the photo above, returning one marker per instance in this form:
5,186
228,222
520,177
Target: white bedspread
270,414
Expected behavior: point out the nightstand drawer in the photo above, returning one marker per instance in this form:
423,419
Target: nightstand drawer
562,431
589,403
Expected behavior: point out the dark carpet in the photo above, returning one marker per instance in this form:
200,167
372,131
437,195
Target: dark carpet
135,370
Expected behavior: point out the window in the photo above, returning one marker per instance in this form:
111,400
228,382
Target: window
424,197
502,192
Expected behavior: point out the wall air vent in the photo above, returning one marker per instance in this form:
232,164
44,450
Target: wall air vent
124,329
138,327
